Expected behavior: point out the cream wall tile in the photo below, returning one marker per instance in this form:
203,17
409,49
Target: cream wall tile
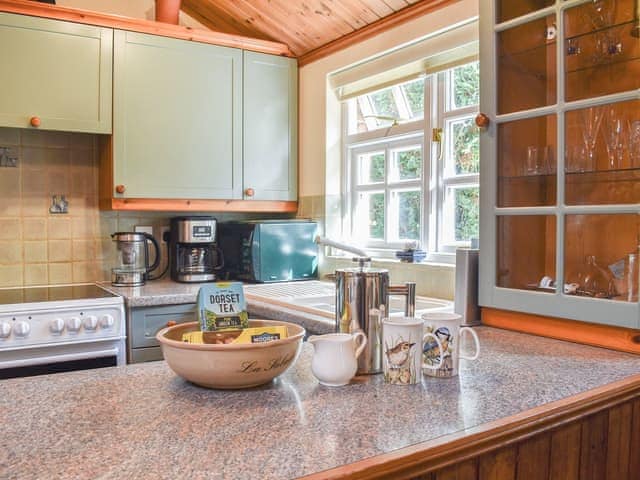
36,274
10,229
44,138
10,252
82,140
59,227
108,224
83,250
39,157
10,183
34,181
59,250
84,227
35,205
35,252
59,181
128,224
60,273
9,136
84,271
34,228
11,275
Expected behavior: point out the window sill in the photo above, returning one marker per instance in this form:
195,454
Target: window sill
397,263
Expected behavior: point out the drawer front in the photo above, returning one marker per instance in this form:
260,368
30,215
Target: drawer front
145,322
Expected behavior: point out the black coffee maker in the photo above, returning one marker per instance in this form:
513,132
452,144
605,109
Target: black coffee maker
194,254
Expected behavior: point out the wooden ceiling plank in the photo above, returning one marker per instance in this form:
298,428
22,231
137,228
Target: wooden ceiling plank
396,5
419,9
379,7
361,10
339,11
212,18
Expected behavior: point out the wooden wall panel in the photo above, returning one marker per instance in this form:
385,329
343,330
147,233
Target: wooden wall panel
593,453
498,466
533,458
462,471
564,461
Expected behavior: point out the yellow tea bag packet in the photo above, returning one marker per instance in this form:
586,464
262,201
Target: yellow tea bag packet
261,334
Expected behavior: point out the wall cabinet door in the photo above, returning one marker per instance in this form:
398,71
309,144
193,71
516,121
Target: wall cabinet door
270,127
561,159
177,118
59,72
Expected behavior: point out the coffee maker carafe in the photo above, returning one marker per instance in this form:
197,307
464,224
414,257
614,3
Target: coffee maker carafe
132,267
194,254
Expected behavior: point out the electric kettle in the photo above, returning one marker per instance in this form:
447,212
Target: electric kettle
132,267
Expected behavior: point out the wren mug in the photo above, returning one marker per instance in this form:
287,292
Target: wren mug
446,352
402,343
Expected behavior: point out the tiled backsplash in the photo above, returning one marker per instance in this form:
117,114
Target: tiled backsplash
38,247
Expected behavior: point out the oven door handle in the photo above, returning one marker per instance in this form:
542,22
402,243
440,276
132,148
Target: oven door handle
66,357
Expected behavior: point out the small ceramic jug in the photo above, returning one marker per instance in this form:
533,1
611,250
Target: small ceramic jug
335,359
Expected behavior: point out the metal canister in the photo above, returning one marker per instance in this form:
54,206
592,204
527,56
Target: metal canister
360,290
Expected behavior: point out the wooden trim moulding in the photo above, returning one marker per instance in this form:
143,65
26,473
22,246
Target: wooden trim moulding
606,336
386,23
36,9
198,205
422,458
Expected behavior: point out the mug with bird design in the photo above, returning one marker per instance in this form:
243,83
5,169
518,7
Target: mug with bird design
402,344
442,359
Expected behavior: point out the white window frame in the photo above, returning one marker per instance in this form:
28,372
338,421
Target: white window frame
434,182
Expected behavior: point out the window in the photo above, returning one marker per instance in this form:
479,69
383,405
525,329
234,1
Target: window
408,180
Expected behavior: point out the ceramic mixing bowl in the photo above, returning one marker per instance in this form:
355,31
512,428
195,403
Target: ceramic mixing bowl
230,366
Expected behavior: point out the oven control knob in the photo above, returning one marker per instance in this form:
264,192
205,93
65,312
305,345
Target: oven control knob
21,328
5,329
107,321
57,325
74,324
91,322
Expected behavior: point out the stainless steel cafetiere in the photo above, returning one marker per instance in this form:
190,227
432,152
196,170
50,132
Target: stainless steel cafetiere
361,294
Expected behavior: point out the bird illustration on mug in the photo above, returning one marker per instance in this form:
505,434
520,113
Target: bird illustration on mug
431,351
398,355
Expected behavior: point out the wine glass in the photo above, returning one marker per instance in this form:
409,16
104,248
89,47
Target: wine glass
615,135
591,118
634,143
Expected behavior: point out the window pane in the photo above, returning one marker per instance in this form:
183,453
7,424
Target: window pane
384,104
466,85
466,146
371,168
414,94
460,217
408,215
407,163
369,218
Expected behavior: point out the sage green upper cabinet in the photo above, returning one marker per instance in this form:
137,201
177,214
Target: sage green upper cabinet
56,73
177,119
270,127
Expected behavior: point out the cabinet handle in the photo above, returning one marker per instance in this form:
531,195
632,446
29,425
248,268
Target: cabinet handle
482,120
34,121
171,323
120,189
249,192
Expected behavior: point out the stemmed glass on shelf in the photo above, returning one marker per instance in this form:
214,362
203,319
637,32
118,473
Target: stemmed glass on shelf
591,119
615,135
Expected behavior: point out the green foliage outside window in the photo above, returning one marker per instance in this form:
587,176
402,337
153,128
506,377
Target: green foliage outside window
409,164
376,216
414,91
384,104
466,85
467,213
466,147
409,216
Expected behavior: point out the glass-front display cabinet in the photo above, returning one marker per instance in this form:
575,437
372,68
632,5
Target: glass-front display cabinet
560,158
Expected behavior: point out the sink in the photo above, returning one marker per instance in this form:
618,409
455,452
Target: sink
319,298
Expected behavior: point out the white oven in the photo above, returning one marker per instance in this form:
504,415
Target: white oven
60,328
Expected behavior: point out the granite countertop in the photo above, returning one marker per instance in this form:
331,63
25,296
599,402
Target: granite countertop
144,421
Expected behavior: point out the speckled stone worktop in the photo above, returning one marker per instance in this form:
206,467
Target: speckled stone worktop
142,421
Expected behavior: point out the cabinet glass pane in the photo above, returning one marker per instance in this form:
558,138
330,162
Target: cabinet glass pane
527,66
508,9
601,48
527,162
602,154
526,252
601,256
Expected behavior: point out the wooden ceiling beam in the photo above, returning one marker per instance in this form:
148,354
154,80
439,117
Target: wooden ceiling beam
419,9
